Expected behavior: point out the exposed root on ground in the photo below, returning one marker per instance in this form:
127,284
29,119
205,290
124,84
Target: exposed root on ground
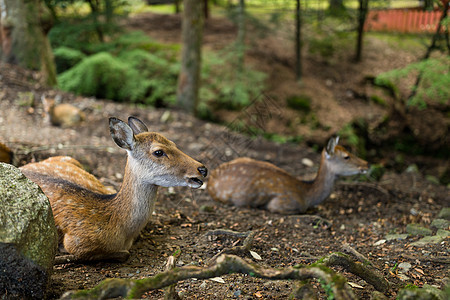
225,265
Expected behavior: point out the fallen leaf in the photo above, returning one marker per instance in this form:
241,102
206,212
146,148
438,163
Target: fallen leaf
419,271
255,255
258,294
355,285
380,242
217,279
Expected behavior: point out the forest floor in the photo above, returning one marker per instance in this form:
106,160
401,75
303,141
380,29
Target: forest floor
360,214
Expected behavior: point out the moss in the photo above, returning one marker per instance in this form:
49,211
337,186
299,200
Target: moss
66,58
104,76
378,100
299,102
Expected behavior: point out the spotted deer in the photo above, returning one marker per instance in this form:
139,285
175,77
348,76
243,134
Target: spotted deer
95,224
245,182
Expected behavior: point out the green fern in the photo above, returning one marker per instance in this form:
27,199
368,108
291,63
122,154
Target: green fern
66,58
104,76
434,85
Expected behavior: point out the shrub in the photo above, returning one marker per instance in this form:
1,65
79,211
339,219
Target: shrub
104,76
299,102
161,75
66,58
434,84
222,85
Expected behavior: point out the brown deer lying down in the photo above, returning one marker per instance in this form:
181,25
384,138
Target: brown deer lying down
252,183
94,224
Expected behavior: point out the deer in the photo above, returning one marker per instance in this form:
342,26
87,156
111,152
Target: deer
246,182
94,224
61,114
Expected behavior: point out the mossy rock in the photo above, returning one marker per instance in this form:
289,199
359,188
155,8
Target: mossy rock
28,236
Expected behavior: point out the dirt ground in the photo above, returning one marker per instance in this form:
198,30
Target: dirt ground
359,213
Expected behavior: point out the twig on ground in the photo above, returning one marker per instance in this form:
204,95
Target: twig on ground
366,184
236,250
359,269
348,249
225,264
315,218
170,293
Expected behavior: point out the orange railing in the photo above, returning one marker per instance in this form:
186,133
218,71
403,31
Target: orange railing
402,20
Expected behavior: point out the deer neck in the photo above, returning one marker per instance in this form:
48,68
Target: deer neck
136,199
316,191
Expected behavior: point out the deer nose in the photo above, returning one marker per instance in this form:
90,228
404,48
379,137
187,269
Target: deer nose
203,170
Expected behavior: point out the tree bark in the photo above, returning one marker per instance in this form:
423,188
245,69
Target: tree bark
189,77
298,42
23,28
363,10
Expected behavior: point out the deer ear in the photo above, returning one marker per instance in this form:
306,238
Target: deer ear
121,133
331,145
137,125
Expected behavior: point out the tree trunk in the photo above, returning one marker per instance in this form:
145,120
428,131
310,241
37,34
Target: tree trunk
298,42
189,77
240,42
428,4
23,28
363,10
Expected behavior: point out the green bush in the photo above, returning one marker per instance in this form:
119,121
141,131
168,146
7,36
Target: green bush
77,35
434,84
322,46
299,102
66,58
222,85
104,76
161,75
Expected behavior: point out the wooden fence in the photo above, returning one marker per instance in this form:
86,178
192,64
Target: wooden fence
402,20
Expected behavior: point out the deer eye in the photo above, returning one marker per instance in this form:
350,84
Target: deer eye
159,153
346,157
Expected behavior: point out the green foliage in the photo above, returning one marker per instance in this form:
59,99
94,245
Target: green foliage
161,75
66,58
322,46
104,76
74,34
378,100
221,84
137,40
376,171
299,102
434,85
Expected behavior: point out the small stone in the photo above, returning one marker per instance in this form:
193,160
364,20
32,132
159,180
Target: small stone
237,293
440,223
166,117
206,208
403,277
416,229
435,239
443,233
380,242
307,162
404,266
203,285
444,213
396,236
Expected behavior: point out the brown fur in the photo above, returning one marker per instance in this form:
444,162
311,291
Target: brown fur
93,222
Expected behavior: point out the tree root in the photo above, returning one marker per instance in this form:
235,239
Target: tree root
170,293
361,270
225,264
236,250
